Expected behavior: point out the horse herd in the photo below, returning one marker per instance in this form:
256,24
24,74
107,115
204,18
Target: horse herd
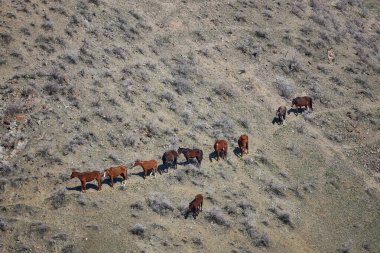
170,159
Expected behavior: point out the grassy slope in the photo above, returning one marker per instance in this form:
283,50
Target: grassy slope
96,80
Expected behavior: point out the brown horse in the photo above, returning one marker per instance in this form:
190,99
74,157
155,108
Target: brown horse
243,144
169,158
305,101
221,146
85,177
113,172
147,165
191,153
195,206
281,114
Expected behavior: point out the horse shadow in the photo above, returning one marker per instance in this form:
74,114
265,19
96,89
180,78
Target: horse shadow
212,155
237,151
277,121
115,180
79,187
296,111
163,168
141,174
192,161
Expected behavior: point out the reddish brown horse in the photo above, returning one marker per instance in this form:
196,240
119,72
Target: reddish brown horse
221,147
305,101
169,158
195,206
191,153
281,114
147,165
85,177
113,172
243,144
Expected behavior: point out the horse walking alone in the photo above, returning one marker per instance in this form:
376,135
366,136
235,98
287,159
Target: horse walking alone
195,206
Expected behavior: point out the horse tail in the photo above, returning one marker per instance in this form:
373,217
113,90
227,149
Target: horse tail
164,159
311,104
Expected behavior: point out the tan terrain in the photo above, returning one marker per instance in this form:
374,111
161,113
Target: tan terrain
91,84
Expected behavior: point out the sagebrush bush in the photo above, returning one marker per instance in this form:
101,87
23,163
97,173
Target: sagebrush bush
160,203
285,87
260,239
138,229
138,205
282,215
58,199
216,215
250,48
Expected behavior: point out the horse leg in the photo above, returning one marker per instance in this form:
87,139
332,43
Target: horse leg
83,186
217,155
111,181
154,171
175,162
99,184
145,171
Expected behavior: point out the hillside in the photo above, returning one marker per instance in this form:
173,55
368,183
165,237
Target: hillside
90,84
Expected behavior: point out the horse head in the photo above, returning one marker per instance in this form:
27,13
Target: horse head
137,162
74,174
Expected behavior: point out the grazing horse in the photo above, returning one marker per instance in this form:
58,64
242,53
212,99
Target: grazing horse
303,101
147,165
221,146
281,114
169,158
113,172
195,206
243,144
191,153
85,177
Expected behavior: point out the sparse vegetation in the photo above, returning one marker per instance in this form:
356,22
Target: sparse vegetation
160,203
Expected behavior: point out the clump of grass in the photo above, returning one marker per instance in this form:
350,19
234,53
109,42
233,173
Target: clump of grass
282,215
250,48
260,239
138,229
290,66
4,225
277,188
13,109
138,205
40,228
58,199
182,86
130,140
216,215
224,90
160,203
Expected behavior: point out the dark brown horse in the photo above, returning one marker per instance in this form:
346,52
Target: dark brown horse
281,114
195,206
147,165
85,177
305,101
191,153
221,147
169,158
243,144
113,172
